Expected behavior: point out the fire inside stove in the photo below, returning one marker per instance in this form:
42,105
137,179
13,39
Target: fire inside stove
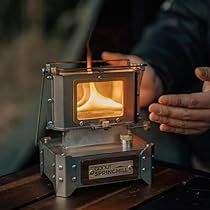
99,99
92,94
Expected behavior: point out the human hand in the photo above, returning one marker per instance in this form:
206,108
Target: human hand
185,113
151,85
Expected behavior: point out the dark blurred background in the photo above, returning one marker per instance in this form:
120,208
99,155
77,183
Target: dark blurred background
34,32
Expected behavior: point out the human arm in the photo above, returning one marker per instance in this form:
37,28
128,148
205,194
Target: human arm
176,44
173,47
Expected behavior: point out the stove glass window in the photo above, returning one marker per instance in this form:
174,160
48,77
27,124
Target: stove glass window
97,100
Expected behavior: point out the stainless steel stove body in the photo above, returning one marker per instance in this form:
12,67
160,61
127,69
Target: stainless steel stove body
89,115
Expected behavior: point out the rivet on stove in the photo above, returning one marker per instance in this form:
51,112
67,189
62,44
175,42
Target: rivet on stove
130,167
43,70
50,123
117,119
74,179
74,166
49,77
81,123
91,172
60,167
49,100
60,179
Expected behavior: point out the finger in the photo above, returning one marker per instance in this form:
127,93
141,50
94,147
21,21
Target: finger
203,73
120,59
110,55
184,131
180,113
111,58
178,123
193,100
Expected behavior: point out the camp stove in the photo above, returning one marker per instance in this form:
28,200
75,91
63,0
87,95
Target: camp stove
90,113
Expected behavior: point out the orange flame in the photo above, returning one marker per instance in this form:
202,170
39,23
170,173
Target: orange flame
89,58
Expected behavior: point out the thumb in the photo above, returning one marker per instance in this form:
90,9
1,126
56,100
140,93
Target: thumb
203,73
206,86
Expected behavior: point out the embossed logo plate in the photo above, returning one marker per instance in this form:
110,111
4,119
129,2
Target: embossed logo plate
105,170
